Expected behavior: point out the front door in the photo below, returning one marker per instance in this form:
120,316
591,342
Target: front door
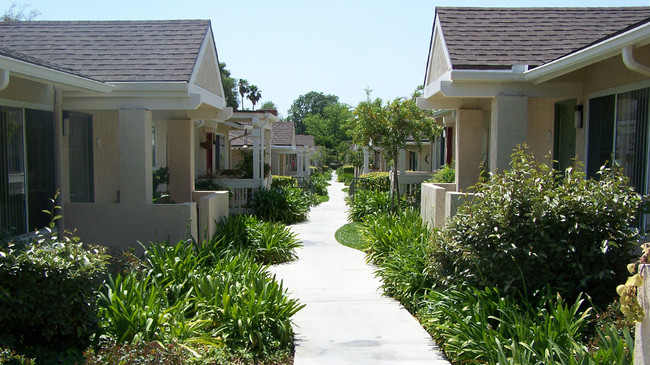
81,158
564,149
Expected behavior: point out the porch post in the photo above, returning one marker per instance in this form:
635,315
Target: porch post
468,147
508,128
181,160
257,134
401,161
366,160
135,157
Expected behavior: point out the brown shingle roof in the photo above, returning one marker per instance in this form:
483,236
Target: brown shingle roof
10,53
241,138
283,133
117,51
304,140
501,37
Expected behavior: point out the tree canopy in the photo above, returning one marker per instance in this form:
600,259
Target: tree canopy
229,86
268,105
19,14
389,125
311,103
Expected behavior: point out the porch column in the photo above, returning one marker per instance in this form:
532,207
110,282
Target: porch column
468,147
257,134
508,128
135,157
401,161
366,160
181,160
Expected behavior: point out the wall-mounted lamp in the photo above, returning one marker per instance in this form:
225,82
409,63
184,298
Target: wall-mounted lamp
577,121
98,142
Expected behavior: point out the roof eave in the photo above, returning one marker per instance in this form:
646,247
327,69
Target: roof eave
48,75
609,47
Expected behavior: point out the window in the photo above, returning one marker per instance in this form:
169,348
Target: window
618,131
26,169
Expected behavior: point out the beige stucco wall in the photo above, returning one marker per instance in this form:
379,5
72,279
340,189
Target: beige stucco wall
612,72
432,207
541,122
468,151
121,226
212,206
106,155
26,91
162,136
438,63
208,76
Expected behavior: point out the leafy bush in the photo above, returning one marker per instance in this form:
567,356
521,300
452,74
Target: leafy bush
317,184
347,169
399,245
345,178
481,326
198,295
286,205
367,202
48,292
446,174
279,181
266,242
531,226
377,181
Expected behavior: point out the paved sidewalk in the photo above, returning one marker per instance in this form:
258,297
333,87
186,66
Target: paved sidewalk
346,319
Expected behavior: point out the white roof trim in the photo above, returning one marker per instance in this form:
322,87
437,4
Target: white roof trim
49,75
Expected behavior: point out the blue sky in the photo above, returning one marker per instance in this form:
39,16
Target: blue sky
290,47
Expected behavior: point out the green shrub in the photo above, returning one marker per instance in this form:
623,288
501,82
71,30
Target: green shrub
446,174
481,326
279,181
266,242
347,169
317,184
286,205
48,291
399,245
198,295
345,178
367,202
531,226
377,181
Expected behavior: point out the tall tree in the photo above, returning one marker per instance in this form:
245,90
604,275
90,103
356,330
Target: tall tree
243,90
254,95
311,103
269,105
229,86
13,14
388,126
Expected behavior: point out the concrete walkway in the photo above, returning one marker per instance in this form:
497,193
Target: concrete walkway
346,319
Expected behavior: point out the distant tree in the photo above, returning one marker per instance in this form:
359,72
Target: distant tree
388,126
254,95
269,105
311,103
229,86
13,14
243,90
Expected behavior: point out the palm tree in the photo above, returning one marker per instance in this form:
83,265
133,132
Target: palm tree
243,90
254,95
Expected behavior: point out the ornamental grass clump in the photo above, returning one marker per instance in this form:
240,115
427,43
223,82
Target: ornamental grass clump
531,227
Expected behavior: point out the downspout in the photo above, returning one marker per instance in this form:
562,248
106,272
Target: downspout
631,63
4,78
